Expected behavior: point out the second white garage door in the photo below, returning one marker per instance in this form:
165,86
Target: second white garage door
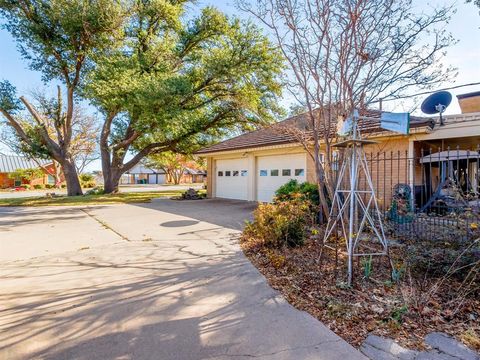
274,171
232,178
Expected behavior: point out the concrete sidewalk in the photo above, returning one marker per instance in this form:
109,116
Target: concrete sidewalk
165,280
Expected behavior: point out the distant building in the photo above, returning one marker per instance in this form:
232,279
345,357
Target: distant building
12,163
142,174
191,176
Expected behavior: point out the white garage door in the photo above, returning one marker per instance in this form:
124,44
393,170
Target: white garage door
274,171
231,176
156,179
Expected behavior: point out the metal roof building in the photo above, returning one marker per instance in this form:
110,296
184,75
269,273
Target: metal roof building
10,163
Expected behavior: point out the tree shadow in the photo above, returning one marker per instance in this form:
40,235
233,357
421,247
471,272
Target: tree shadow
16,216
231,214
122,306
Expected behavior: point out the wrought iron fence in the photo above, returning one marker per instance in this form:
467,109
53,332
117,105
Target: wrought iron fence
433,194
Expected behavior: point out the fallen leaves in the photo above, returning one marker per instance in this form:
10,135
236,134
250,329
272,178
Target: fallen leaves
400,311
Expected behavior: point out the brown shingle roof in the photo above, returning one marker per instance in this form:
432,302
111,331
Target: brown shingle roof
278,133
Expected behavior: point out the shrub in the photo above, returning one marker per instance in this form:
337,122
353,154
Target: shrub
87,180
25,186
88,184
64,186
86,177
49,186
39,186
283,223
307,190
95,191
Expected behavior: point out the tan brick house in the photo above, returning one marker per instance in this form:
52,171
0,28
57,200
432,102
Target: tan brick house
253,165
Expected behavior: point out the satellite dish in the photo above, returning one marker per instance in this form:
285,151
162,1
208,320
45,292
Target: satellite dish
437,103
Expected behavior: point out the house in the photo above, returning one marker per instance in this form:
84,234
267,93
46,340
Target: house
254,165
12,163
143,174
192,176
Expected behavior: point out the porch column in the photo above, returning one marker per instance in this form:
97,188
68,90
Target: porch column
411,168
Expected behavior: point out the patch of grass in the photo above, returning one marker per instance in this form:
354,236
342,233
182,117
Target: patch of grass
63,200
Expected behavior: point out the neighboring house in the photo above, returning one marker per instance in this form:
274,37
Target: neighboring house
142,174
252,166
192,176
11,163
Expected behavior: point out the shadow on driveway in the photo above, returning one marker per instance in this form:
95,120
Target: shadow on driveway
231,214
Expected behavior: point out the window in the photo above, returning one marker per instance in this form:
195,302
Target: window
335,160
286,172
228,173
244,173
274,172
51,180
220,173
235,173
263,173
299,172
17,182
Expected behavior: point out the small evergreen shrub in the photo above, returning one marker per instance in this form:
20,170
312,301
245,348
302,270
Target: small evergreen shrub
49,186
39,186
87,181
95,191
292,188
25,186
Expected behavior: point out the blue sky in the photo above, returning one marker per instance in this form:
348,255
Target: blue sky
465,26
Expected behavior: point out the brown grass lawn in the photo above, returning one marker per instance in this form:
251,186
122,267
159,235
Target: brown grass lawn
63,200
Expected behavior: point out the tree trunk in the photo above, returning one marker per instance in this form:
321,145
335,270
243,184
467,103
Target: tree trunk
71,178
111,176
111,185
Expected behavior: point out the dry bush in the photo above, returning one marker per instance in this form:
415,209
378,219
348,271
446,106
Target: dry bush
284,223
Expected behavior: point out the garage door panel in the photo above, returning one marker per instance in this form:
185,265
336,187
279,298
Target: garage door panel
232,178
274,171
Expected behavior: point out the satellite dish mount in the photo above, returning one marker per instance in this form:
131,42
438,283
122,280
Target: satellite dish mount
437,103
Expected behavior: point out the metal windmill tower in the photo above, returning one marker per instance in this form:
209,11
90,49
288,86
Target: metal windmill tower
355,209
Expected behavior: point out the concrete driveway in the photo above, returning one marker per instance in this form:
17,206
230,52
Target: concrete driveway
164,280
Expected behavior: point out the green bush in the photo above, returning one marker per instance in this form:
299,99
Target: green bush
49,186
307,191
63,186
25,186
87,181
283,223
86,177
88,184
95,191
39,186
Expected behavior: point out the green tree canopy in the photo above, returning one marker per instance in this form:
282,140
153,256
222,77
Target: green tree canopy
59,38
176,86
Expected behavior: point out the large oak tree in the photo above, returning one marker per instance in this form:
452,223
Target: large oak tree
176,84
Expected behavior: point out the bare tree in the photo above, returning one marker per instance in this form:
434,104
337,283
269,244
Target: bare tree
84,130
345,55
84,148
